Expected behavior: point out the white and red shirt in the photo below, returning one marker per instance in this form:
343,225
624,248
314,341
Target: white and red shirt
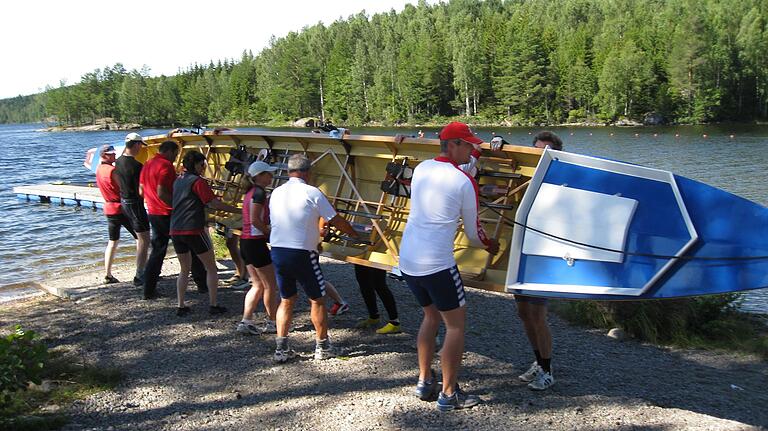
295,209
256,195
441,194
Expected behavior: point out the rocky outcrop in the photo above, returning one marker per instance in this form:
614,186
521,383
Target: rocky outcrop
307,122
98,124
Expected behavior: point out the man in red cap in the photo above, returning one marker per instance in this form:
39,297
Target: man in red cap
441,194
110,191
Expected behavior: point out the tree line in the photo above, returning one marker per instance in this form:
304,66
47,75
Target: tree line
513,62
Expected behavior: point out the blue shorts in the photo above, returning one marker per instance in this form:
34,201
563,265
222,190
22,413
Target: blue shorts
444,289
294,265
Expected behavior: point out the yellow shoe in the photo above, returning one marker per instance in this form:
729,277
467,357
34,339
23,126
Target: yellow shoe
389,328
367,323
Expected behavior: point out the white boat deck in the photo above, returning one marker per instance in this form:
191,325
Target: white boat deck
85,195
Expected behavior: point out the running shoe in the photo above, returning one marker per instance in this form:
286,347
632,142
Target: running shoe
338,309
270,327
544,380
110,280
183,311
389,328
283,355
367,323
217,309
531,374
459,400
241,284
426,390
138,281
247,328
232,279
329,352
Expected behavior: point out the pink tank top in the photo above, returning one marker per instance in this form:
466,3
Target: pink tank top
249,230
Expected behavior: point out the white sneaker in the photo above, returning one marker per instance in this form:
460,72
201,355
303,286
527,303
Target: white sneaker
270,327
330,352
283,355
247,328
531,374
543,381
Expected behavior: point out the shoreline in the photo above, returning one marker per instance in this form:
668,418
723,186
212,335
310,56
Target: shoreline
204,375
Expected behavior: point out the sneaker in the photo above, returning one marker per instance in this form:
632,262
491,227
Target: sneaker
329,352
459,400
217,309
110,280
235,278
338,309
270,327
544,380
138,281
531,374
426,391
241,284
283,355
389,328
183,311
367,323
247,328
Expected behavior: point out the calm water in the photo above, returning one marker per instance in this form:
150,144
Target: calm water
40,240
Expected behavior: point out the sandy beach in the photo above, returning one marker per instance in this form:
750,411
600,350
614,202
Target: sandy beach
197,373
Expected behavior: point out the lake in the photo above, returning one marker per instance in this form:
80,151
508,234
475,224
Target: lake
42,240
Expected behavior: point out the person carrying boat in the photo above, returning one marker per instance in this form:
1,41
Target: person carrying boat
373,282
128,172
533,310
295,209
255,253
110,191
191,195
156,183
441,194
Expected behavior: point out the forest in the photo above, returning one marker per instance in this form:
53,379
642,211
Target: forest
513,62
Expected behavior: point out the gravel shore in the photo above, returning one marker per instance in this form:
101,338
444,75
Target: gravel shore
197,373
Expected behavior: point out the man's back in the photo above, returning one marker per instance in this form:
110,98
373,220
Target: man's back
157,171
128,171
295,208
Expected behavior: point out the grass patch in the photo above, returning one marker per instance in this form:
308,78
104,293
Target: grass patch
220,246
42,407
710,322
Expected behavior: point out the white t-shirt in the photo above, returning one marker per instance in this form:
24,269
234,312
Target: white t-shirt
295,209
441,193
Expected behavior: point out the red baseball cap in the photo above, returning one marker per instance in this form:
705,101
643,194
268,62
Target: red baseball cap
456,130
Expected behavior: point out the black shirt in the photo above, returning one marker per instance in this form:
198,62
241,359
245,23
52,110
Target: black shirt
259,194
128,171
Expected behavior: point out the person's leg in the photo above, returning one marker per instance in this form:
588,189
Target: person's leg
453,347
160,227
285,316
367,290
199,274
142,247
212,276
319,316
330,289
538,321
380,284
183,279
425,341
109,256
524,310
254,295
271,298
234,251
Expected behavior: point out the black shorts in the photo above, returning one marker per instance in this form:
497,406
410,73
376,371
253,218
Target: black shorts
115,222
445,289
255,252
197,244
136,214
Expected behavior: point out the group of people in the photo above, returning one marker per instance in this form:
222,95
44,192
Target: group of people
293,219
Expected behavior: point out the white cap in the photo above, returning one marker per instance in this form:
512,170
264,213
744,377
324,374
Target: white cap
133,137
258,167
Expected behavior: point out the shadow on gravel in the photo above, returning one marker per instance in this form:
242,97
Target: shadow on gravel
207,364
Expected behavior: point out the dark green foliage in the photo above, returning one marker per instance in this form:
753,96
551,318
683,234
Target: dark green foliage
492,61
708,321
21,361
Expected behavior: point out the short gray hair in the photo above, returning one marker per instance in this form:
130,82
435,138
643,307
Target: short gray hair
299,162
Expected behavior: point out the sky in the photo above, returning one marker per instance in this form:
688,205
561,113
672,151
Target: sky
45,42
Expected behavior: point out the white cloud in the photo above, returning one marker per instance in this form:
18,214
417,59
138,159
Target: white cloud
44,42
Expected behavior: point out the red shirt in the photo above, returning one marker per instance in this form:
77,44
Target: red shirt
109,189
204,192
157,172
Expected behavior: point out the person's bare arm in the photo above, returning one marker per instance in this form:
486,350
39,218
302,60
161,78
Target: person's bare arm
256,220
343,225
165,195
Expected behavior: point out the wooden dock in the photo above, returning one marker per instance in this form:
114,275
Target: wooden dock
83,195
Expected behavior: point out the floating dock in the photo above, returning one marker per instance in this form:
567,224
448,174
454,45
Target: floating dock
82,195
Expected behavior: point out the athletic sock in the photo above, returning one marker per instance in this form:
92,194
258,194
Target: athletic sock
281,343
323,344
395,322
546,365
538,356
